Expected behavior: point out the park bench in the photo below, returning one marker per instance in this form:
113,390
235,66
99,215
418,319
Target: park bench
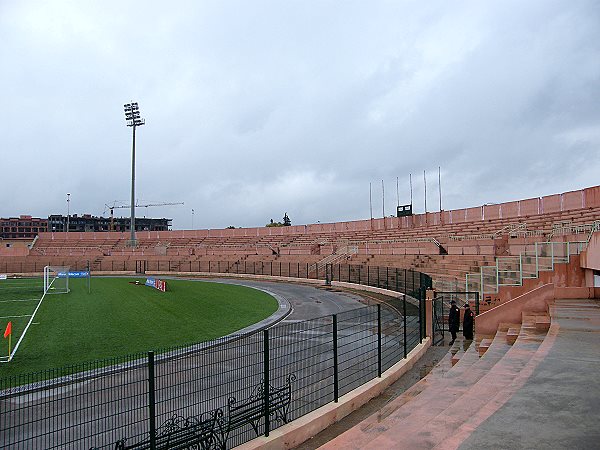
179,433
212,430
252,410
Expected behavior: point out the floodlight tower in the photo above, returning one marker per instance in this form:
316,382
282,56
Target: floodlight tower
132,116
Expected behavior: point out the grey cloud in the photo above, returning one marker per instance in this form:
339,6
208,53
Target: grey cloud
256,109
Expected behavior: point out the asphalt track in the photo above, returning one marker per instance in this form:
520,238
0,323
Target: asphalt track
99,411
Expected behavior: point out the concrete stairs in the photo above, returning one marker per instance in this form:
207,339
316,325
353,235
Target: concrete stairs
463,385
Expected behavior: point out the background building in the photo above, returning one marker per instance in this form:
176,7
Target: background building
88,222
28,227
23,227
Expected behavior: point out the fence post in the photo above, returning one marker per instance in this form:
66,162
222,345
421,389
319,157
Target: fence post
420,318
336,373
151,400
404,314
266,380
476,303
379,340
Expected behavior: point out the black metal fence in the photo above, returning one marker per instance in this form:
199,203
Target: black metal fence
217,394
400,280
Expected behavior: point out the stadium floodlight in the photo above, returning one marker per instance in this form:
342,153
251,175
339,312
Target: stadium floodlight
132,116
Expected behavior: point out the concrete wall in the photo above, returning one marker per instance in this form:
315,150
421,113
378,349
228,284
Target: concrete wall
585,198
590,258
536,300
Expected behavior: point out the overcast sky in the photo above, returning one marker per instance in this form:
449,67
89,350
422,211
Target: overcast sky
257,108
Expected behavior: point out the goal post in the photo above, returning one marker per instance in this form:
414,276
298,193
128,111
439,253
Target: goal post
56,280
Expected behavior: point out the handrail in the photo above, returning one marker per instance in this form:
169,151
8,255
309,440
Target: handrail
509,271
337,255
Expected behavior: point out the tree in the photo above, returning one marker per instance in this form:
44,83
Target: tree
286,220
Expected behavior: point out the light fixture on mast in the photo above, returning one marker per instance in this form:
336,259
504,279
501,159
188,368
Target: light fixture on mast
132,116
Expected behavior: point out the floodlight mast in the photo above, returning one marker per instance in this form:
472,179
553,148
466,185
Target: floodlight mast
132,116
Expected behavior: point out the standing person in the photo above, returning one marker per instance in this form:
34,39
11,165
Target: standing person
453,320
468,322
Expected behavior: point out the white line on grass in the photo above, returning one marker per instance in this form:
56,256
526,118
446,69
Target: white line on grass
21,300
12,354
14,317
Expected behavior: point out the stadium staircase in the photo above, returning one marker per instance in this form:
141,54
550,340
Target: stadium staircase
470,383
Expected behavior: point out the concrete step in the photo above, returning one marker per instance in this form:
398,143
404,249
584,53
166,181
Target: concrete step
542,323
428,428
504,326
483,346
512,334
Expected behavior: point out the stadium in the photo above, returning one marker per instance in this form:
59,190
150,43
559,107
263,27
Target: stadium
283,270
330,315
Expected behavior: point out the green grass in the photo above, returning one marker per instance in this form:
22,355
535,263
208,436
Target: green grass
119,318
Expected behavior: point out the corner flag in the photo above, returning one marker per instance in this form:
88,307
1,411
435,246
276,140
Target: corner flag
8,330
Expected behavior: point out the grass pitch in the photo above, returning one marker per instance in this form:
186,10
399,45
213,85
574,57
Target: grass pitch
119,318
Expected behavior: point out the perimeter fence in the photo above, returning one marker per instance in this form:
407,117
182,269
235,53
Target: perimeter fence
217,394
401,280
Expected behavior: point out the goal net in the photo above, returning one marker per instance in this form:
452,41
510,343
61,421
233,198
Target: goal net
56,280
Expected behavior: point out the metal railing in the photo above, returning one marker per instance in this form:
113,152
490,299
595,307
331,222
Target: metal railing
512,270
136,399
340,253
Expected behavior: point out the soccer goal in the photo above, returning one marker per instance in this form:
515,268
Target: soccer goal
56,280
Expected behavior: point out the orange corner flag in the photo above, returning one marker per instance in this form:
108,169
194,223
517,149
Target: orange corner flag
8,330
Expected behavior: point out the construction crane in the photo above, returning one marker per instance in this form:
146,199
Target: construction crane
137,205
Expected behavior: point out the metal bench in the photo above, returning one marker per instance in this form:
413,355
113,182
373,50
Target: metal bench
211,430
183,433
252,410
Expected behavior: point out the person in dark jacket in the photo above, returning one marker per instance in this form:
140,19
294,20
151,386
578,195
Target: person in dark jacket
468,322
453,320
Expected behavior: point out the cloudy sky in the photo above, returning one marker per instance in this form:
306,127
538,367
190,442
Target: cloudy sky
257,108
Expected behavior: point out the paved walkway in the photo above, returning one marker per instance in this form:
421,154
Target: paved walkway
558,407
551,401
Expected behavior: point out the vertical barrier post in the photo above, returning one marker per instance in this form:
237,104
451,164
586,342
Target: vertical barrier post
336,373
404,314
379,340
420,318
151,400
476,303
266,380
